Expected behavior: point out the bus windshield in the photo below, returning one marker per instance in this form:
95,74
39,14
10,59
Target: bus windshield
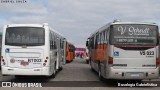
29,36
133,34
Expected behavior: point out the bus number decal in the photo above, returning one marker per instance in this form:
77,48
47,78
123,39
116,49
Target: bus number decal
147,53
34,60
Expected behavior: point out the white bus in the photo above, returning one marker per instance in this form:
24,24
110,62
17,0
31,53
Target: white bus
125,50
31,49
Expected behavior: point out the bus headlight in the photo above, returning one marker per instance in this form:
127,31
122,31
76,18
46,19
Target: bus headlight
2,60
44,64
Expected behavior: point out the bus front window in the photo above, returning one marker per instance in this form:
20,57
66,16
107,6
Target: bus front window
29,36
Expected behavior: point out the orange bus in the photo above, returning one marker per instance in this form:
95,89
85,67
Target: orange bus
69,52
125,50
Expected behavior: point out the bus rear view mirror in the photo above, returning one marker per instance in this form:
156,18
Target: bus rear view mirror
87,43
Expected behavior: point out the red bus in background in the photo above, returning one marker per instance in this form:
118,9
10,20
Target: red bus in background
80,53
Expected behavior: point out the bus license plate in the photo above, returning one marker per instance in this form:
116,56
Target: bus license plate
24,63
135,75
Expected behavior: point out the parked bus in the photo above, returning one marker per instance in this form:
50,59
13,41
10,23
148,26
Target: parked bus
125,50
80,52
69,52
31,49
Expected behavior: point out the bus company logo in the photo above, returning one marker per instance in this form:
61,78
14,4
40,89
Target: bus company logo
116,53
133,30
7,50
122,29
138,31
6,84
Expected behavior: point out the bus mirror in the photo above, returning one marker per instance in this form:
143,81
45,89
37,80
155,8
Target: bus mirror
87,43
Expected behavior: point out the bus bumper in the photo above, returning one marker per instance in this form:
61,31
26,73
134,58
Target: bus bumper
44,71
136,74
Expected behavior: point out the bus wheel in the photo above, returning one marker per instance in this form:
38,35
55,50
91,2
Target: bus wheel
60,68
91,66
54,72
99,74
87,61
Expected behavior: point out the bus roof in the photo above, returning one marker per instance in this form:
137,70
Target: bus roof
147,23
26,25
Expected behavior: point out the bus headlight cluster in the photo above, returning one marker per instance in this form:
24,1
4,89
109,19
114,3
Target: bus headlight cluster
44,64
45,61
3,61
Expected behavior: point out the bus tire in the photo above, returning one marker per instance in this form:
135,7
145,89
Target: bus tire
60,68
99,73
91,66
54,71
68,61
87,61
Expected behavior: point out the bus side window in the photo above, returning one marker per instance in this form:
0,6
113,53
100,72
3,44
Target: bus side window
62,44
96,41
94,46
103,36
99,38
91,43
50,39
106,36
55,42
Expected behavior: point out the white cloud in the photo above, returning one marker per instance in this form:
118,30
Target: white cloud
76,19
89,15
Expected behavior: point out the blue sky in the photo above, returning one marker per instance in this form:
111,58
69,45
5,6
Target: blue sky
77,19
